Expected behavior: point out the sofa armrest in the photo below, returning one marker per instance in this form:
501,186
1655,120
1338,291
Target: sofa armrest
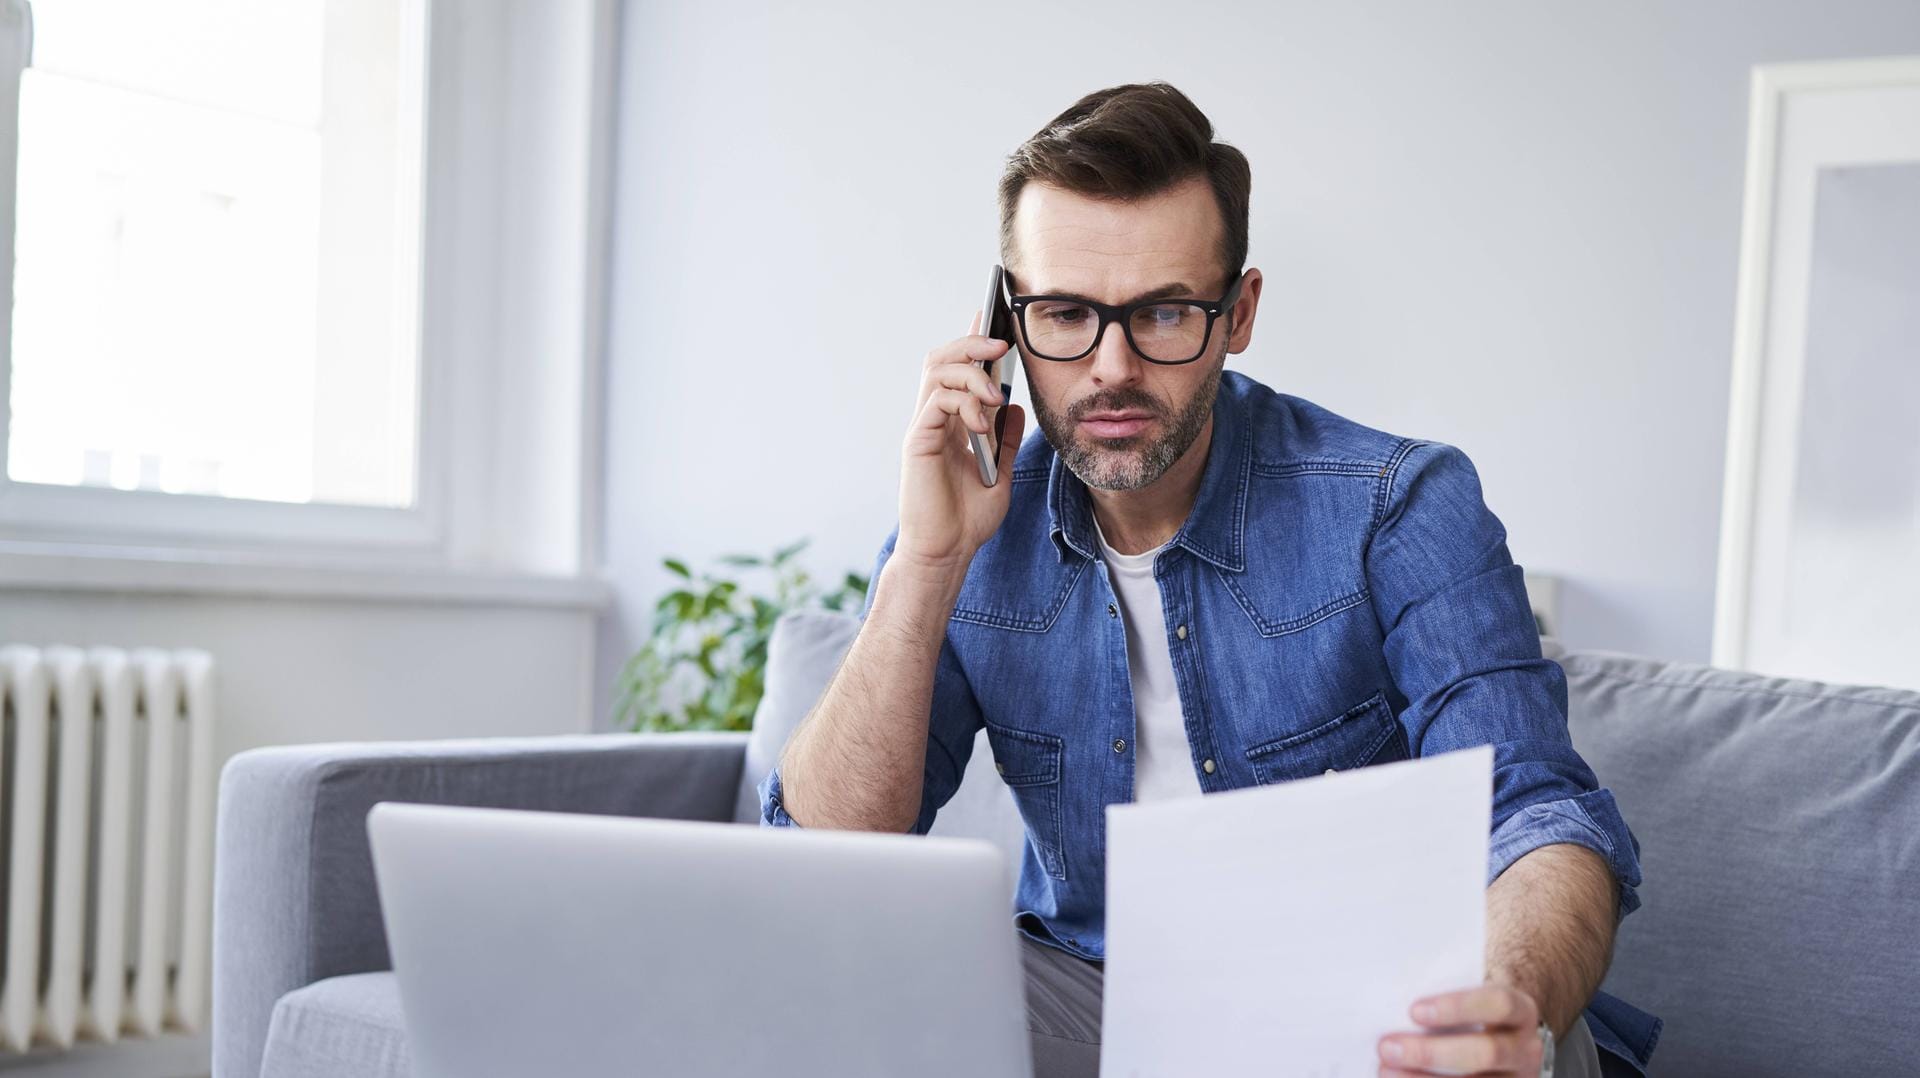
294,896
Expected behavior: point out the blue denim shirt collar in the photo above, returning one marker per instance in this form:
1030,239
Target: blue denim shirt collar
1216,528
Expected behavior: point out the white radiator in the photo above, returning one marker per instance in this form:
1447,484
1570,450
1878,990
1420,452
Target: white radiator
106,843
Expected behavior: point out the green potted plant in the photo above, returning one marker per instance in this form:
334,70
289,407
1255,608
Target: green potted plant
703,666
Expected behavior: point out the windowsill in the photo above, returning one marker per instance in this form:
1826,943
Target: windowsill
30,566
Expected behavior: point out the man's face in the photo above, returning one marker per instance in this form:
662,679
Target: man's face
1116,252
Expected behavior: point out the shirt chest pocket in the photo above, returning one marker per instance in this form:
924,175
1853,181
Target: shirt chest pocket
1366,733
1029,763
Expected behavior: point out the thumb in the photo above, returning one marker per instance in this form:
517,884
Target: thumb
1010,439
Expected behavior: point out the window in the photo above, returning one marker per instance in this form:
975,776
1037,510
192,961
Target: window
302,287
217,259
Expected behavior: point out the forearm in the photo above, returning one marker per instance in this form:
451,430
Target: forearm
857,760
1550,923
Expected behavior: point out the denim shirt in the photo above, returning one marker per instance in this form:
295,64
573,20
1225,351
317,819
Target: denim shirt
1338,597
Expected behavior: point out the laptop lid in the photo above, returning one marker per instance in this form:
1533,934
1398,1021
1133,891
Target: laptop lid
541,943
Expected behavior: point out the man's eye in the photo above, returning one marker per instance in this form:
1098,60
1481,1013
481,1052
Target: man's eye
1066,316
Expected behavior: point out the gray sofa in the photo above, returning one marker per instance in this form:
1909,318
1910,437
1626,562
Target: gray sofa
1779,822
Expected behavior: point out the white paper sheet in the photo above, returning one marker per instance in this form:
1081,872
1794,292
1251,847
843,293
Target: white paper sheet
1280,930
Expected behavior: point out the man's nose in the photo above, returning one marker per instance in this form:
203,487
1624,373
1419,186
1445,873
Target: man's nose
1114,360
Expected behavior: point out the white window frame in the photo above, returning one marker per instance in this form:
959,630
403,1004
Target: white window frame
1771,319
509,329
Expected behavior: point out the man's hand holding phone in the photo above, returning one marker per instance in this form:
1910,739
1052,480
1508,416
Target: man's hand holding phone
858,760
946,512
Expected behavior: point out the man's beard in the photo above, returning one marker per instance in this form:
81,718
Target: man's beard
1124,463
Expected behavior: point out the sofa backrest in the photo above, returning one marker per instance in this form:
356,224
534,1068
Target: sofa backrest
1779,825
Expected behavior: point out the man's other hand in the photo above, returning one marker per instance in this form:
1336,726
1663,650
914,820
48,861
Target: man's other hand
1492,1029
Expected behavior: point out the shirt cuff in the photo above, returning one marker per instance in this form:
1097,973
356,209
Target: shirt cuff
772,812
1591,820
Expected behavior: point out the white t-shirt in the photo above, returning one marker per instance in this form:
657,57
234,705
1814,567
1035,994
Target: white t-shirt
1163,762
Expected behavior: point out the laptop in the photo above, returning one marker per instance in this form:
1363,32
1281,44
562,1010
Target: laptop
566,945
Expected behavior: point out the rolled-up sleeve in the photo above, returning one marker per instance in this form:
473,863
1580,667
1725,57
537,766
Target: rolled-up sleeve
1463,649
953,721
772,812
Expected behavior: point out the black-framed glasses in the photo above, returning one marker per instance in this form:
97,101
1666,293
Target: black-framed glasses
1165,331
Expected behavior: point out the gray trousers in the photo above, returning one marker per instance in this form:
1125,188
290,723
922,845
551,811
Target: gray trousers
1063,1018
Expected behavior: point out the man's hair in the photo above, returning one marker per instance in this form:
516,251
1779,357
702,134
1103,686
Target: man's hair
1129,142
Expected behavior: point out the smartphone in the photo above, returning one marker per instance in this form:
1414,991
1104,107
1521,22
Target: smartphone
995,322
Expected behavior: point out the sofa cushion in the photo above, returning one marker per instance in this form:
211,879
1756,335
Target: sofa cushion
348,1025
1777,824
802,655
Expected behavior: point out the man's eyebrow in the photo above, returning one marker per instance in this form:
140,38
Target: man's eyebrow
1165,291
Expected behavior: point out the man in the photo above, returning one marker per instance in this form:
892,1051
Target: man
1190,584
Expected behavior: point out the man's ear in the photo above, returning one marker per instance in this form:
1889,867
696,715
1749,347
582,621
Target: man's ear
1240,318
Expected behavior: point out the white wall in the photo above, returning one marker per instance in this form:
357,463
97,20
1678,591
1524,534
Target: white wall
293,670
1512,226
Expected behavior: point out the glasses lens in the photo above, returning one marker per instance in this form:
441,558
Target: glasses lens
1060,329
1170,332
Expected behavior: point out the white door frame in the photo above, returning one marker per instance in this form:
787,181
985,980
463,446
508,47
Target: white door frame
1803,117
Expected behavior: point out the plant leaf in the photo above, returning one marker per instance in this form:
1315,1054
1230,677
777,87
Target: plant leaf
781,556
703,667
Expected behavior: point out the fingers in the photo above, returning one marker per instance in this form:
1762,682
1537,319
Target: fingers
971,348
952,385
1507,1044
1010,438
1485,1005
952,402
962,376
1506,1051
